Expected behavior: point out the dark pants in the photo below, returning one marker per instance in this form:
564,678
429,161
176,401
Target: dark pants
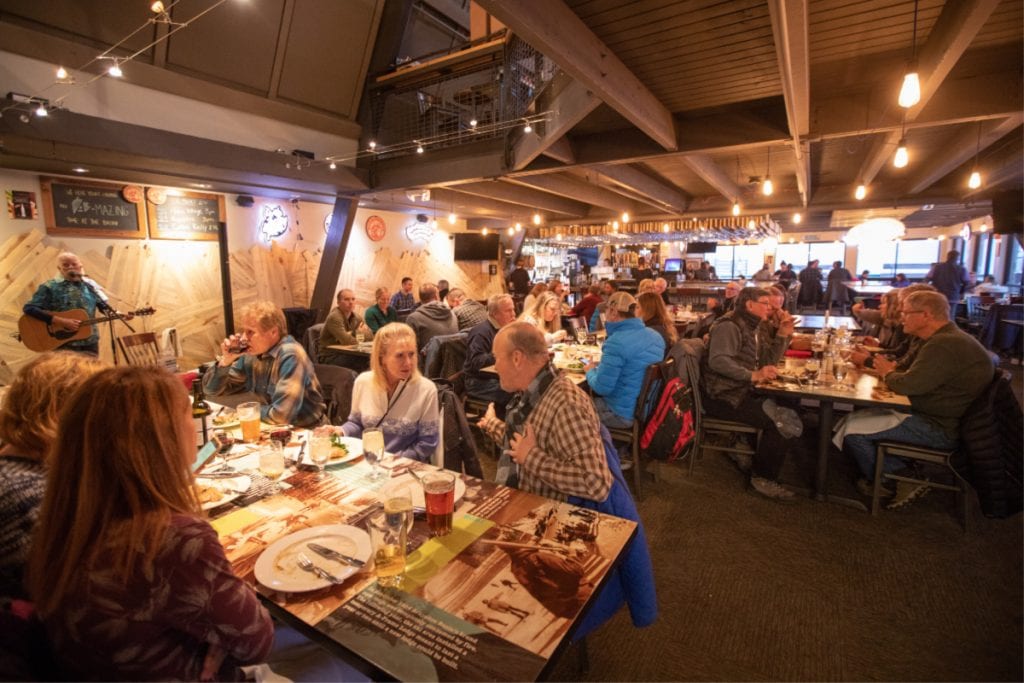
91,349
489,390
344,360
771,450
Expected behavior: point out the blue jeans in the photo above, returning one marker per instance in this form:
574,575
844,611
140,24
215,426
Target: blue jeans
608,417
914,430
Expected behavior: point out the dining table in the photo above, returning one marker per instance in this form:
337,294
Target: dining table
860,388
817,322
498,598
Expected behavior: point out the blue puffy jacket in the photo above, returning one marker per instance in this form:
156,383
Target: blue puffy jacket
629,349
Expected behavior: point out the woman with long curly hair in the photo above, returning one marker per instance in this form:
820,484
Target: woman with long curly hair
656,317
546,315
127,575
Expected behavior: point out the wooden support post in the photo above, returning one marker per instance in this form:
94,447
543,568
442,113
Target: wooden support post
335,245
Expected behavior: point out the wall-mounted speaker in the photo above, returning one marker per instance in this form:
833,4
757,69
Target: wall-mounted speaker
1008,212
244,200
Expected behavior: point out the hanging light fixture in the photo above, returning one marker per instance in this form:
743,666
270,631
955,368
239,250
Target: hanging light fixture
736,200
910,91
41,110
519,226
625,216
115,70
861,192
62,73
974,182
797,218
451,215
527,128
484,232
902,157
536,218
373,144
736,208
767,187
664,227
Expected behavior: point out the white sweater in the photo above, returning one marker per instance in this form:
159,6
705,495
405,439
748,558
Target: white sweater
410,427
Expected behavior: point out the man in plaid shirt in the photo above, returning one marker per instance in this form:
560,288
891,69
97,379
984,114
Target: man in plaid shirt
402,300
551,436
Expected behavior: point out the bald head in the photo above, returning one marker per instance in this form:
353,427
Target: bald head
519,354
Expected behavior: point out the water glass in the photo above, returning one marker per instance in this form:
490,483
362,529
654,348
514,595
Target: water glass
360,336
388,537
373,451
812,368
271,462
581,335
320,446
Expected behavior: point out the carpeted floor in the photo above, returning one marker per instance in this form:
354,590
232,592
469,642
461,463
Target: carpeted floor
751,590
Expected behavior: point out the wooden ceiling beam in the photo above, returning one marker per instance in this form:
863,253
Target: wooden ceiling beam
712,174
960,150
524,196
658,193
442,201
952,34
551,27
561,150
579,190
789,27
570,104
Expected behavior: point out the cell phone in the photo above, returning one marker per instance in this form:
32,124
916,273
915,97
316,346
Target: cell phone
208,450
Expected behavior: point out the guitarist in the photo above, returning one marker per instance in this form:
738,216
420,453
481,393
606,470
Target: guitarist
69,291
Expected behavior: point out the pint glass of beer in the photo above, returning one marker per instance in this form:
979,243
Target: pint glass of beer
439,495
249,417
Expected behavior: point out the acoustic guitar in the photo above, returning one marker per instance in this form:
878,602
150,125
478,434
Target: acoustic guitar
40,336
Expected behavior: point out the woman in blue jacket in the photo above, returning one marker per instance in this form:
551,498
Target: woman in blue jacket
629,349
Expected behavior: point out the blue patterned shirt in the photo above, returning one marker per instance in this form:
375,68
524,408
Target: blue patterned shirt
402,301
59,295
283,378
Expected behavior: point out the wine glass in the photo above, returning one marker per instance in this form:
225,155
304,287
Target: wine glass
812,368
581,335
360,336
272,463
373,451
320,452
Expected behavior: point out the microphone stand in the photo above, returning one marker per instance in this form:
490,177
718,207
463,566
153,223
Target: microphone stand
112,314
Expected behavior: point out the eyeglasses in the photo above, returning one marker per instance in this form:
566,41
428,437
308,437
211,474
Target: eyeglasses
910,312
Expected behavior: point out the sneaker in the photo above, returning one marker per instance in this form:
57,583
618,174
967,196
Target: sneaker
865,486
772,489
743,461
906,493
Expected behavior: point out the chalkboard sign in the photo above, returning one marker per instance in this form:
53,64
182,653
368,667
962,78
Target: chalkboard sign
90,209
183,215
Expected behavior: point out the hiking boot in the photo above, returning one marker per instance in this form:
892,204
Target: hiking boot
906,493
772,489
865,486
743,461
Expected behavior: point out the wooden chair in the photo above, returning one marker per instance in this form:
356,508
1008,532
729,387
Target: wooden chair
919,454
140,349
654,378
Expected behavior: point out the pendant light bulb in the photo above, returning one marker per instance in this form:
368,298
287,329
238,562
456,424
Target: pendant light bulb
797,218
767,187
333,166
625,216
536,218
511,231
472,123
373,144
910,92
484,232
419,149
902,157
861,192
519,226
527,128
975,181
452,218
62,73
664,227
735,208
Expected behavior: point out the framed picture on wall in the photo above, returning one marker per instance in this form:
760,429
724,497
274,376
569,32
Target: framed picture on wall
82,208
184,215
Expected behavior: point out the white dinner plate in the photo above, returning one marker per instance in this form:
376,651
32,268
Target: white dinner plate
338,455
232,487
230,424
277,567
416,489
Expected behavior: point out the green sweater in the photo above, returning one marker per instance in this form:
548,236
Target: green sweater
951,368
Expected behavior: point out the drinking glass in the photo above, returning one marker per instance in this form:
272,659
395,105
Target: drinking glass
373,451
812,370
360,336
439,494
249,417
320,452
581,335
839,370
272,462
388,536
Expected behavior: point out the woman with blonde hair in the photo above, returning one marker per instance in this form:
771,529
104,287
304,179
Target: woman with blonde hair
128,577
395,398
656,317
28,427
645,285
531,299
546,315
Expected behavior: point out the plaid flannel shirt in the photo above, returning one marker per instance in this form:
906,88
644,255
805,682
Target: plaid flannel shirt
568,458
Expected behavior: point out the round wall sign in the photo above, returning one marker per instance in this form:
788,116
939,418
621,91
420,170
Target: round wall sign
376,228
156,195
132,193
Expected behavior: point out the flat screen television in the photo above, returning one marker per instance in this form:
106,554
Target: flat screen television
474,247
701,247
673,265
587,256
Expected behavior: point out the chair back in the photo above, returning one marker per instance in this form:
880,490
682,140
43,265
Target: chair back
444,355
336,385
311,341
140,349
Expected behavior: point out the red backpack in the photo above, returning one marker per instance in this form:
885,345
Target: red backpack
671,426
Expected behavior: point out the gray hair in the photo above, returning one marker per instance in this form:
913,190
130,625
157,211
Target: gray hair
934,303
494,303
456,295
527,339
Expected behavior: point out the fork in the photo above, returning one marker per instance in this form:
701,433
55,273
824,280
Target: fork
306,565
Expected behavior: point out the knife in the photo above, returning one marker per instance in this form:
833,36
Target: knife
334,555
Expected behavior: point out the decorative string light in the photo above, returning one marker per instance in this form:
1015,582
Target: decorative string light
527,128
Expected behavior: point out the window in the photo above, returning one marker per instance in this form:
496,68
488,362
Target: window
913,258
799,255
743,259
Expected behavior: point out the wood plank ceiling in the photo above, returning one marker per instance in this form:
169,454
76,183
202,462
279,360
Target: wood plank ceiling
666,108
